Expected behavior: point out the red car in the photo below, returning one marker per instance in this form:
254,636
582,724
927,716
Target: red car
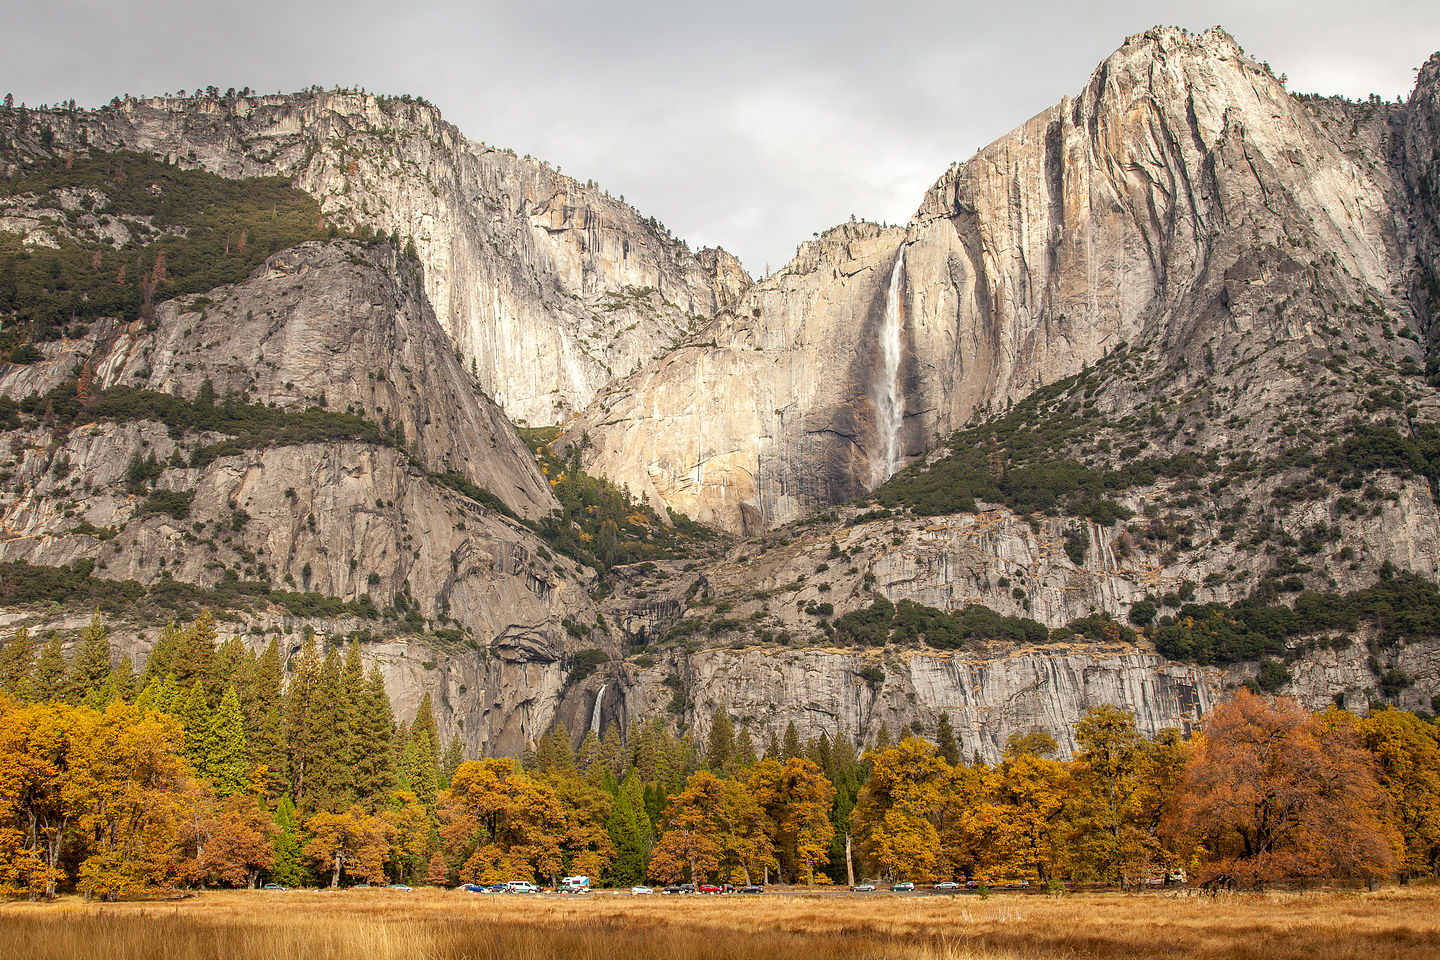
707,888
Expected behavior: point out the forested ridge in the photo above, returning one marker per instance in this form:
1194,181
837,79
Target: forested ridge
219,763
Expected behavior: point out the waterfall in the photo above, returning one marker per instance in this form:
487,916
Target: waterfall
595,714
888,390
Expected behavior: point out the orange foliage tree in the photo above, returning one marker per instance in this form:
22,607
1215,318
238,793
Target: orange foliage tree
712,829
1271,794
796,799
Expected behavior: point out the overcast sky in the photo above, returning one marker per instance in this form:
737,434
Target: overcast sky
744,124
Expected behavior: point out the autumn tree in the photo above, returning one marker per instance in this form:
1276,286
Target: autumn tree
499,823
1407,751
352,842
712,828
796,799
1270,795
895,817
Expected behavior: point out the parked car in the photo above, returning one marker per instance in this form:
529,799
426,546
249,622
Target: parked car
752,888
687,888
577,884
359,886
521,886
475,888
947,885
672,889
274,886
640,891
401,887
863,888
902,887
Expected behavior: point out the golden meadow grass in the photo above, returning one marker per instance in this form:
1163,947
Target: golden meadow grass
435,925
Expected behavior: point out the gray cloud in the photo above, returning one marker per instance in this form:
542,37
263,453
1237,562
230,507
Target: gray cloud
749,125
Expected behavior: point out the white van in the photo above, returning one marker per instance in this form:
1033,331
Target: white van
521,886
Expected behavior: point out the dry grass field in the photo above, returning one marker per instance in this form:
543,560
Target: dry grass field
435,925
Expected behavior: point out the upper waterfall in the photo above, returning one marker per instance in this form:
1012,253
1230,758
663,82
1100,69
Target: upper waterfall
888,388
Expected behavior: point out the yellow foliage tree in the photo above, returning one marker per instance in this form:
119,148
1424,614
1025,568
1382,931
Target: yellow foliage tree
796,799
895,818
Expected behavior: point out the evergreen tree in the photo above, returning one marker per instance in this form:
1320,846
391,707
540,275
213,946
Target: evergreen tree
883,740
614,752
90,665
17,660
420,756
262,706
721,745
945,741
772,749
591,755
227,762
162,657
123,680
330,781
194,715
50,668
744,757
159,696
301,738
631,833
375,768
289,846
553,752
454,756
790,749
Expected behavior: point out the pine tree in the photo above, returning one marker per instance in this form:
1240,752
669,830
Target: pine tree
330,780
945,740
195,656
630,832
614,752
349,723
17,661
194,715
162,657
790,748
721,745
772,749
159,696
454,756
49,673
289,846
262,705
744,750
227,764
375,768
90,665
301,699
591,755
883,740
123,680
420,758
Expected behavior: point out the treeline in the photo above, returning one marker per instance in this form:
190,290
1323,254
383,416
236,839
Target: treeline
186,231
219,764
1398,609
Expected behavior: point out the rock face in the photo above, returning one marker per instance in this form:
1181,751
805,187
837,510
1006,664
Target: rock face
344,519
549,287
1267,261
1170,204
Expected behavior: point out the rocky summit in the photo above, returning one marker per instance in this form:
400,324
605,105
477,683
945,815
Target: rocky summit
1140,405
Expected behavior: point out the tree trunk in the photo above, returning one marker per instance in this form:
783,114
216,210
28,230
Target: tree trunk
335,876
849,862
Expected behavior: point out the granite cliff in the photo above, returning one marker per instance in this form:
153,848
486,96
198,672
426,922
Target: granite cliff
550,287
1167,344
